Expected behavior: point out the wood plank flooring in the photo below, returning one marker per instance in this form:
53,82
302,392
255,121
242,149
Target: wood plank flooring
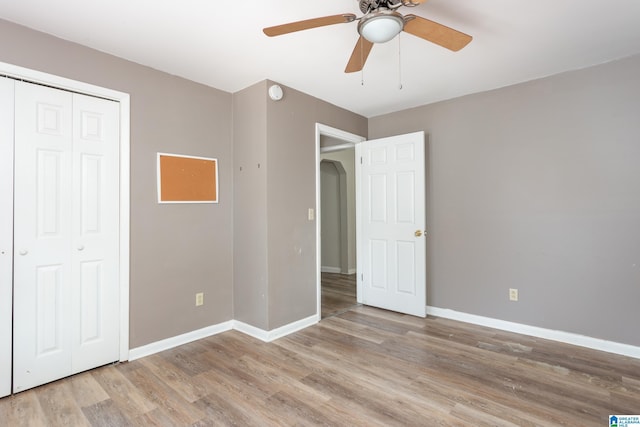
363,367
338,293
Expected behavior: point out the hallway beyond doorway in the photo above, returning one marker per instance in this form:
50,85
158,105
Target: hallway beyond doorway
338,293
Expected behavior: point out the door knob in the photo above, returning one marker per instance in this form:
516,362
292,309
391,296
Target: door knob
23,252
418,233
81,248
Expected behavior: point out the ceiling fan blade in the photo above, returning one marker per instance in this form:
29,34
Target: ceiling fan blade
436,33
359,55
291,27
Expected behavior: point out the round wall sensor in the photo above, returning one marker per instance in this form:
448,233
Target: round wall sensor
275,92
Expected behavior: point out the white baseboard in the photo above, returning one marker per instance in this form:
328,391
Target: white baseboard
166,344
267,336
549,334
337,270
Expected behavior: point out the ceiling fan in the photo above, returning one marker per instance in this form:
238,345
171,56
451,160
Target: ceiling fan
379,24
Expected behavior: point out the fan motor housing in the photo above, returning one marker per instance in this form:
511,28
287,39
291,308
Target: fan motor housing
367,6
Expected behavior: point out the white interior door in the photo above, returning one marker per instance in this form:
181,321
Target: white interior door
6,231
65,235
392,245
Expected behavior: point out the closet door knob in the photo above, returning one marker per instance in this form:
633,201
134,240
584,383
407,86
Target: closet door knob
23,252
81,248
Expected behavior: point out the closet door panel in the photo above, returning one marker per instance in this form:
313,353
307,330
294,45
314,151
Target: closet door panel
6,231
95,229
42,235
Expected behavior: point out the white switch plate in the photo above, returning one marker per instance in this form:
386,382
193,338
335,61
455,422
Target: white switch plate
312,214
199,298
513,294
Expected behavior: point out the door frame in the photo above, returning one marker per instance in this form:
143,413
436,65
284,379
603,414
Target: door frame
123,99
7,110
350,141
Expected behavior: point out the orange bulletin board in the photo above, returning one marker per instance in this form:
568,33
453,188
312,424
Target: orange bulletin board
187,179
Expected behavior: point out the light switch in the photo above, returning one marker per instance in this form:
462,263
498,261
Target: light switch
311,214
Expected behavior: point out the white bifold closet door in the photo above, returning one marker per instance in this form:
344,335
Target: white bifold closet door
66,222
6,231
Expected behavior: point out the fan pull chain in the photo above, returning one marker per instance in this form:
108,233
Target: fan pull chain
399,63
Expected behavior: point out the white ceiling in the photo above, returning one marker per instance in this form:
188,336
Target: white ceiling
221,43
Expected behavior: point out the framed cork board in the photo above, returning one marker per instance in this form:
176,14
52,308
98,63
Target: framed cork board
187,179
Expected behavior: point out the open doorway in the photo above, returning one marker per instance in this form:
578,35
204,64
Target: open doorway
336,224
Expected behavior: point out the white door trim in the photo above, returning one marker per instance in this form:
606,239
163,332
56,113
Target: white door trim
7,108
124,100
351,140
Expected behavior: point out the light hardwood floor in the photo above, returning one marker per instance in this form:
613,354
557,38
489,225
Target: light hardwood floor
364,367
338,293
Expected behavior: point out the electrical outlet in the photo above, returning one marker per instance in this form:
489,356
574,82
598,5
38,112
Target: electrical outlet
199,298
513,294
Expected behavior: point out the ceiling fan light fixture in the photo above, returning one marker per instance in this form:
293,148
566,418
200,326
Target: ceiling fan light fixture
380,27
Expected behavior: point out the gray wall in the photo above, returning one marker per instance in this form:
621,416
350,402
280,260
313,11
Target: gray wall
250,206
537,187
274,241
291,187
176,250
